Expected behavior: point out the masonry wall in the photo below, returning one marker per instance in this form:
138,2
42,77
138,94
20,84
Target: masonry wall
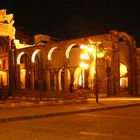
138,71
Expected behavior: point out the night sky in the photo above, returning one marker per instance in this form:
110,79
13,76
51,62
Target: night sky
66,19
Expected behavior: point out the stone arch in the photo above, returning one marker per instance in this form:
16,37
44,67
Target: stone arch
50,53
67,53
62,74
19,57
73,50
35,58
34,55
73,60
55,58
52,70
126,37
22,66
131,66
130,43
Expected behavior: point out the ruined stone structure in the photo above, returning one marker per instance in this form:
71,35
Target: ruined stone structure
50,68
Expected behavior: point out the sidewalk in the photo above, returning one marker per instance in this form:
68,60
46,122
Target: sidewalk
45,110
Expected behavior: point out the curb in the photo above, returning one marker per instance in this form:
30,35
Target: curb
21,104
18,118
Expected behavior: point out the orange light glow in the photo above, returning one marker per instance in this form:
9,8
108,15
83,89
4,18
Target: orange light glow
83,47
123,70
22,78
100,55
123,78
84,65
21,46
90,52
4,77
84,56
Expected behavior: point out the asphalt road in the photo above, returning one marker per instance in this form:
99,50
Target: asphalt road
115,124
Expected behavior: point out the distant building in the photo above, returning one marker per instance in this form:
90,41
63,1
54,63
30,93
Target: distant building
107,63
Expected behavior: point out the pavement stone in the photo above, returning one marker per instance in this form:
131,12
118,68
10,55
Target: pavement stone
10,111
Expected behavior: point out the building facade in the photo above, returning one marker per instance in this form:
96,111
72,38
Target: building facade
106,63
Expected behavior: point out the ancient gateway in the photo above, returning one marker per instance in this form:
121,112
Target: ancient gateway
106,63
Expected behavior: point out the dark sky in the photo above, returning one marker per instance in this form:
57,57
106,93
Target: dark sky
75,18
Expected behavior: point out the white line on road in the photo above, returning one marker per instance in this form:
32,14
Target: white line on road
104,135
107,116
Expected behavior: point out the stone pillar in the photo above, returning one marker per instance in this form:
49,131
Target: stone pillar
32,77
102,82
66,80
17,77
48,80
108,72
138,73
55,81
134,66
114,36
10,69
116,69
132,72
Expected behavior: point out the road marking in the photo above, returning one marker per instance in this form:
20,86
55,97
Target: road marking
107,116
104,135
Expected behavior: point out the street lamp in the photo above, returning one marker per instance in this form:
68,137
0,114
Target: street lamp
91,50
96,45
96,81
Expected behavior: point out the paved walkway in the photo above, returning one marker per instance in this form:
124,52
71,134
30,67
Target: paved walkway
10,112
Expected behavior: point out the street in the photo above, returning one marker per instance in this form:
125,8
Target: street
114,124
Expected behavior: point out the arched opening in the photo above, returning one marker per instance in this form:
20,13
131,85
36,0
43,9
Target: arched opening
123,78
72,53
63,72
36,73
36,70
22,61
124,52
125,58
4,76
55,63
78,78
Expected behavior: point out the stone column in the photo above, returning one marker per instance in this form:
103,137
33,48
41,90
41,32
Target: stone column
32,77
48,80
10,68
66,80
55,81
108,72
102,82
132,72
116,69
17,77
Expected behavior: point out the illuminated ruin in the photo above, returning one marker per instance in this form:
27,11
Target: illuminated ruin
108,62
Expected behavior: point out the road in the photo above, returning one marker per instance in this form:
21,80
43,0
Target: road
115,124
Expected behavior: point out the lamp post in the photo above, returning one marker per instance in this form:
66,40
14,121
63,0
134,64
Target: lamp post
91,50
95,44
96,76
